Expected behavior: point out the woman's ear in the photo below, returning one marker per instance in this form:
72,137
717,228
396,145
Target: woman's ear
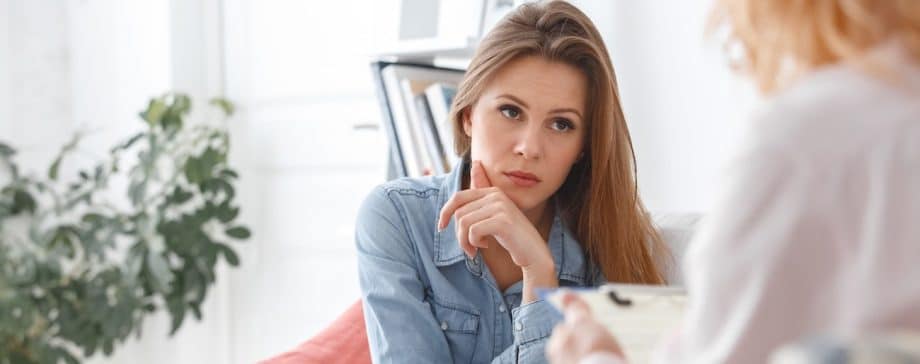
467,124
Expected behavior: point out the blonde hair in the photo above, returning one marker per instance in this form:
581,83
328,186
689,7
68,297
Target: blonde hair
783,38
599,197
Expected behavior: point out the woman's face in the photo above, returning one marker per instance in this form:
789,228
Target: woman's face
528,128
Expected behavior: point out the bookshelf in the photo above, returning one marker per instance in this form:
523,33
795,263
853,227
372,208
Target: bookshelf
430,50
416,77
414,99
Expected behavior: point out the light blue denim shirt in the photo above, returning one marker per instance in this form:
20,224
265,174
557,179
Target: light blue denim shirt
426,302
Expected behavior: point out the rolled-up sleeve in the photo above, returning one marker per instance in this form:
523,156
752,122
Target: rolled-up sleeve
400,325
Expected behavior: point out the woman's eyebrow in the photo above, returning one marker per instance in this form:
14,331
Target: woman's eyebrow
566,109
515,99
553,111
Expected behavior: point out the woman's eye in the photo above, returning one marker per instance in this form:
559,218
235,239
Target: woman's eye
563,125
510,112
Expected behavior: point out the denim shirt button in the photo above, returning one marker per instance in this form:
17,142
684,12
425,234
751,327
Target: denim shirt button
501,308
519,326
443,325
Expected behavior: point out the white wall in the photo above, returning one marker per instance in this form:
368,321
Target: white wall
301,75
5,54
684,107
78,65
37,106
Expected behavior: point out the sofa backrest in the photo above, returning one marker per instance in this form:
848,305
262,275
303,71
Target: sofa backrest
677,230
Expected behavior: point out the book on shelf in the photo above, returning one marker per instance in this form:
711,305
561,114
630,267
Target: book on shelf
402,130
440,96
410,89
430,135
416,120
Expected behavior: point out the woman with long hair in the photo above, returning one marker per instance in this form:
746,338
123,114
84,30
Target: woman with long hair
816,231
545,196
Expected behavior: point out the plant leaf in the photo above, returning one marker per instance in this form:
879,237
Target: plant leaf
67,356
224,105
177,310
192,171
67,148
6,151
23,201
159,271
196,310
229,254
238,232
229,174
136,191
107,347
208,160
182,104
178,196
127,144
155,111
225,213
53,171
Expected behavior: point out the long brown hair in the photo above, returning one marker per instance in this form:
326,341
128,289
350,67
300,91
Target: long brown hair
599,197
785,38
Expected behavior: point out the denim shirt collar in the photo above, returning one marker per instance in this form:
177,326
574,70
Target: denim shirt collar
566,250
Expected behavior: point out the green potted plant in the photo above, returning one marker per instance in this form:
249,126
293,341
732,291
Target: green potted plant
83,262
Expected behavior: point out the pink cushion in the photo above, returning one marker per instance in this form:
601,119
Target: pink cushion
344,341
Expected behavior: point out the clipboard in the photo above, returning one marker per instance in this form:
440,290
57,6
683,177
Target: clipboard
639,316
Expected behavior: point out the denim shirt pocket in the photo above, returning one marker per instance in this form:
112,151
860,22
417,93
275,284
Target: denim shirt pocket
460,327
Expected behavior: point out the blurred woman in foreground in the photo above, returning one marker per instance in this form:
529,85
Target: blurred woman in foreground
817,229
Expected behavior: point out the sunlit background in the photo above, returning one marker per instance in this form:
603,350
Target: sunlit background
307,139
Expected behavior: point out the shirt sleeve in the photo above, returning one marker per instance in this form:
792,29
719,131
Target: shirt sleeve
400,325
755,265
532,324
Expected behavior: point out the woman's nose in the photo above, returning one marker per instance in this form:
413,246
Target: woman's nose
530,143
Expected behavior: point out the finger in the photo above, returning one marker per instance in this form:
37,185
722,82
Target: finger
571,303
456,201
463,225
575,316
483,229
478,177
472,206
556,346
465,222
570,298
495,226
463,240
468,249
576,311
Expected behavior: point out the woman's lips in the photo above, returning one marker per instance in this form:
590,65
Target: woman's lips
522,179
